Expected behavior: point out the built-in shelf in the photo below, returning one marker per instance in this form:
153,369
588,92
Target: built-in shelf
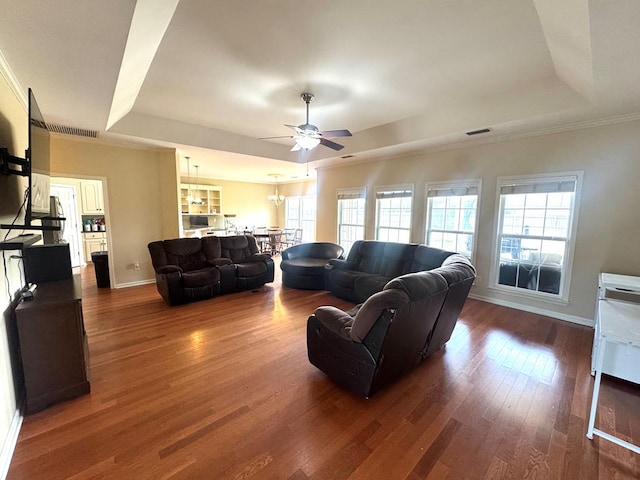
20,242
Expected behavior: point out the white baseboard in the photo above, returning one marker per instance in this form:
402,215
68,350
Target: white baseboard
540,311
135,284
9,444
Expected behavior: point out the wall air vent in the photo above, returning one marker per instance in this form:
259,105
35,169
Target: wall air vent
478,132
78,132
347,156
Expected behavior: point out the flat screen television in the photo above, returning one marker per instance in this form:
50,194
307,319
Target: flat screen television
38,204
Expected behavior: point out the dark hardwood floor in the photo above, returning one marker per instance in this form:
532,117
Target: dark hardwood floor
222,389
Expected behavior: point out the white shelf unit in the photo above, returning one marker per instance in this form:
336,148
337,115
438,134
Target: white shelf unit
211,199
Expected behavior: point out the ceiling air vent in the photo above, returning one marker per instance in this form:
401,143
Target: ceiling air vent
78,132
478,132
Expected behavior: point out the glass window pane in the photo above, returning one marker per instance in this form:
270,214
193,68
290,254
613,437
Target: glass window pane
453,202
512,222
514,201
447,218
529,258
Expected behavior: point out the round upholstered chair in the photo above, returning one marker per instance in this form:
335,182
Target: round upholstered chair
303,265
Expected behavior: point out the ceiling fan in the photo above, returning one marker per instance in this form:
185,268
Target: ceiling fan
308,136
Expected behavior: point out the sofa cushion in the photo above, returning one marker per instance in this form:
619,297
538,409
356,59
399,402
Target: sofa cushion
428,258
200,278
251,269
345,278
418,285
211,247
186,253
238,247
367,284
397,259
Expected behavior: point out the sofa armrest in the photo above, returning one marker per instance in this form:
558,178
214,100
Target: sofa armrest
341,264
371,310
168,269
335,320
216,262
169,286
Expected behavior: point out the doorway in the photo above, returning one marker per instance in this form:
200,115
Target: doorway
71,230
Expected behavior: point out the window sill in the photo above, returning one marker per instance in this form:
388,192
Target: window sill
529,294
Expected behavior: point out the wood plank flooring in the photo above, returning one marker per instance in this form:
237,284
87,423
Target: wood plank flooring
222,389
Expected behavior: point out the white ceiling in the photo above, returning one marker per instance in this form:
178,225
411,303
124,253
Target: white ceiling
212,77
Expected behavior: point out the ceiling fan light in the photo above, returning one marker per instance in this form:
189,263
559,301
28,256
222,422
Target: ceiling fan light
308,143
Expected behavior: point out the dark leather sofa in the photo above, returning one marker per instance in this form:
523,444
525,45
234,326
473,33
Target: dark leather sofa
543,278
371,264
303,265
190,269
393,331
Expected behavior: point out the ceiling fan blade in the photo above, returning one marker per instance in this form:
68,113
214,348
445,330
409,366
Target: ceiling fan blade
336,133
270,138
295,127
295,148
330,144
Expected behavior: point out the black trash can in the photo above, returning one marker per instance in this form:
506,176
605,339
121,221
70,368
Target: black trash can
101,264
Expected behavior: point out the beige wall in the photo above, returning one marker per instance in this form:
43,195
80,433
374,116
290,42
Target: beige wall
13,135
608,232
141,197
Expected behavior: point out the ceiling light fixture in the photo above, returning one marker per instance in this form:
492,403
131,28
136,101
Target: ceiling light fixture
197,200
277,198
308,143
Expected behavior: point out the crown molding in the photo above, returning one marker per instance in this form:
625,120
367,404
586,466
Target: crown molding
12,81
416,152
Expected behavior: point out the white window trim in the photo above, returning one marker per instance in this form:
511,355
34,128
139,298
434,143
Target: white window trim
565,286
361,192
384,188
477,183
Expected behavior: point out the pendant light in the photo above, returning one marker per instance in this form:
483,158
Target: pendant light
197,200
189,196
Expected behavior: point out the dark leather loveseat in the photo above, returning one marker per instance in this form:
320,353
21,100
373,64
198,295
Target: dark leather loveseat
190,269
371,264
393,331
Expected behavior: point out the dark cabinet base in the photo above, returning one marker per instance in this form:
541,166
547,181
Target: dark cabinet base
53,344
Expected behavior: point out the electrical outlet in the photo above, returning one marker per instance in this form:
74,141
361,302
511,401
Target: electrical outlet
136,265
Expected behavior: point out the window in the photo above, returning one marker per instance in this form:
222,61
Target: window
300,212
393,214
535,233
351,211
451,216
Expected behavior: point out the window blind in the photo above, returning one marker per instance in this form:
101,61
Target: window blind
551,186
452,190
393,194
350,195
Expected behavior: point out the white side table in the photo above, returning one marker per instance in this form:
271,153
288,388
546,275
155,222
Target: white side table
617,329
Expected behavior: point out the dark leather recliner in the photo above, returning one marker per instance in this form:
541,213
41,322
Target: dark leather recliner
252,268
190,269
183,272
392,332
303,265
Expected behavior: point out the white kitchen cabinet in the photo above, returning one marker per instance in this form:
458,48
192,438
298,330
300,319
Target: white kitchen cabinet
94,242
92,197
